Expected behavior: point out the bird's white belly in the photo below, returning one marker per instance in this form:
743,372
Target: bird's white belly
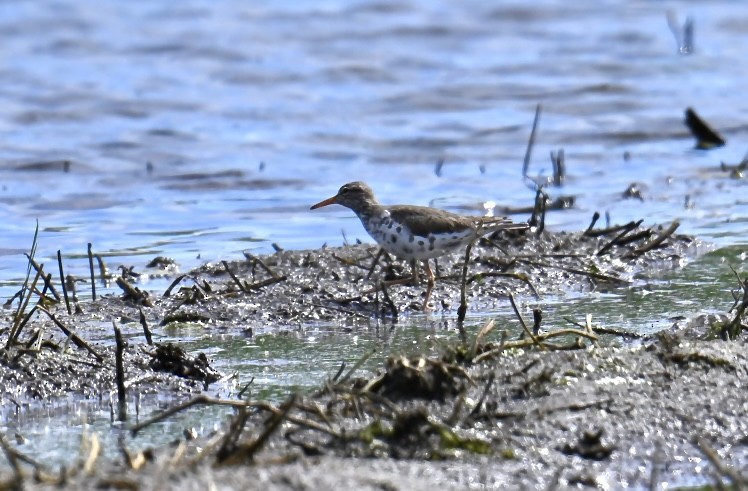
399,241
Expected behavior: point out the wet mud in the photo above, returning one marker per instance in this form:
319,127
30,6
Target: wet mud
669,410
548,410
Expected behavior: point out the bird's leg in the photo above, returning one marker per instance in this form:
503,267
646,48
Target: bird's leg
374,263
430,287
380,286
412,279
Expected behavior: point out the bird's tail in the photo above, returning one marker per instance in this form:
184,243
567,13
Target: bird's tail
494,224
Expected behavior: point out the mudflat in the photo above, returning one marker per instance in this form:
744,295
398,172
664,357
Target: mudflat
550,409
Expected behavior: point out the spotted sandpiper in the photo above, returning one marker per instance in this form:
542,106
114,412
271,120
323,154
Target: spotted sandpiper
415,233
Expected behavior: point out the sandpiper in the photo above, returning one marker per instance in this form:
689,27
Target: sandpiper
415,233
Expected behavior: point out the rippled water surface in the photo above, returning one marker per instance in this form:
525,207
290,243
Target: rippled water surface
199,129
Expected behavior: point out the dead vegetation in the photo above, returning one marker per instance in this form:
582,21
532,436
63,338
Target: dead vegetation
465,406
479,398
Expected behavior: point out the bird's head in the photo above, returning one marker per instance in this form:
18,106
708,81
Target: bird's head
355,195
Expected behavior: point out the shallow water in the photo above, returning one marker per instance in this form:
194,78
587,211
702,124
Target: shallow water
199,129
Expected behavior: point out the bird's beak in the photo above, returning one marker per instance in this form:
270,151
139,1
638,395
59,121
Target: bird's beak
328,201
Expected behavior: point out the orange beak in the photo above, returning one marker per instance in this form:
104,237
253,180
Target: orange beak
328,201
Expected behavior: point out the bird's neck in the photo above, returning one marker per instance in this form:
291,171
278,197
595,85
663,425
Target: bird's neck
367,210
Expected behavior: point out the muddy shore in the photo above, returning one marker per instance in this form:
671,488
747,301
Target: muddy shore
544,411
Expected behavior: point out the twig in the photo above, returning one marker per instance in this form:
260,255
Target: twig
262,263
462,309
534,338
486,388
518,276
628,228
595,218
102,266
25,321
62,282
661,237
590,274
543,338
348,262
13,461
487,327
91,268
642,234
537,318
374,262
340,309
719,465
492,352
558,161
133,293
264,283
356,366
146,330
233,277
531,141
203,399
173,284
200,399
245,388
47,281
338,373
228,440
93,454
120,374
247,453
22,304
539,210
607,230
606,330
14,455
43,294
77,340
390,304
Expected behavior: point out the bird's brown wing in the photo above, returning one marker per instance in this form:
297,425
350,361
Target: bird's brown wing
422,220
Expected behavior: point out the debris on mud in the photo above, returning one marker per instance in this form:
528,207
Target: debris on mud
639,414
579,412
332,284
173,359
28,375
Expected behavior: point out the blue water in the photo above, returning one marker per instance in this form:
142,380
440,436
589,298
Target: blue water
250,112
199,129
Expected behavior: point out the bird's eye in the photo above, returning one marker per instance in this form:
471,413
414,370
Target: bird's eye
344,190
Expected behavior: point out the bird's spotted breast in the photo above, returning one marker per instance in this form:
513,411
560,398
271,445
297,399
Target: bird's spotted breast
399,240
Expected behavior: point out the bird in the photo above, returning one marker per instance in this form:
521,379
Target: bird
415,233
